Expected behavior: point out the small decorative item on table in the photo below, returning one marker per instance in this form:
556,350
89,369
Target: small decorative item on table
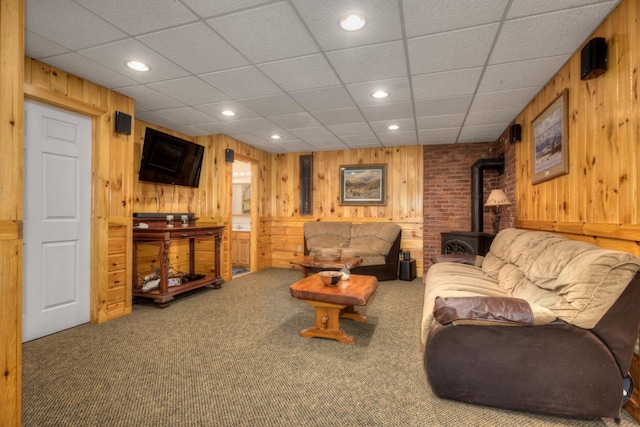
330,278
174,281
169,220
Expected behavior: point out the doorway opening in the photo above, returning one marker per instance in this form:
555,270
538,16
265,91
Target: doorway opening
241,218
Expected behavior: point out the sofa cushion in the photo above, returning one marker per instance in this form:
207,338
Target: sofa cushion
483,311
369,257
321,236
375,236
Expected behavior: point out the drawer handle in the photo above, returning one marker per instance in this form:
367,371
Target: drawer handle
184,234
210,233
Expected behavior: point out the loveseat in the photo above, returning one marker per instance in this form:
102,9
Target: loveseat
541,324
377,243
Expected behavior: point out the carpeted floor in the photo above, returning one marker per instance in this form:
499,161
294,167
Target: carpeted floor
233,357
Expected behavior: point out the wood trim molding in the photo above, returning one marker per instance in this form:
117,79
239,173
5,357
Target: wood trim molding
57,99
611,231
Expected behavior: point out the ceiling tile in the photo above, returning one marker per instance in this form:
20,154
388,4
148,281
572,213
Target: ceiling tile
368,63
157,119
520,8
266,33
141,16
38,47
350,129
148,98
295,121
406,125
398,138
446,84
245,82
189,130
115,56
503,100
295,146
376,113
256,125
208,8
424,17
339,116
327,143
451,51
439,122
491,132
514,75
362,141
272,105
492,117
443,106
312,133
179,44
328,98
84,67
75,27
522,39
215,110
323,17
216,128
186,115
398,89
189,90
438,136
305,72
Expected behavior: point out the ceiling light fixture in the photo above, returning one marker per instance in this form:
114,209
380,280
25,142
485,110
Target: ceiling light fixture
380,94
275,137
228,113
138,66
393,127
352,22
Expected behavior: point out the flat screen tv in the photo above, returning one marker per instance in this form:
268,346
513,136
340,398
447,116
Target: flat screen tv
167,159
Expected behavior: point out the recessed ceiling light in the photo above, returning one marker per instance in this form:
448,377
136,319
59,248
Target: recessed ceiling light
228,113
138,66
393,127
275,137
380,94
352,22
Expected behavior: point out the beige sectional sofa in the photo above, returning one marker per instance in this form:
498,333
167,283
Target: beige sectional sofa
573,310
377,243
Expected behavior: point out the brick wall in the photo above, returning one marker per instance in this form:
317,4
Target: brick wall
447,189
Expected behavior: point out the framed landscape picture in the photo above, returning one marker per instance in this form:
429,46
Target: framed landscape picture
550,135
363,184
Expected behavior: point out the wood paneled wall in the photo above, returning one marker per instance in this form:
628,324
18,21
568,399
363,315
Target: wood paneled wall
112,175
211,202
11,136
404,197
598,199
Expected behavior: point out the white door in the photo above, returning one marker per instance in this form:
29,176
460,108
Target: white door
57,215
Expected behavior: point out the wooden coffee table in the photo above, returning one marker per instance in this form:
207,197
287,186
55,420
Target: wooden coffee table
333,302
308,262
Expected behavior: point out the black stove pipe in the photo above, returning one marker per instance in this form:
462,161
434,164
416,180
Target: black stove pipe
477,184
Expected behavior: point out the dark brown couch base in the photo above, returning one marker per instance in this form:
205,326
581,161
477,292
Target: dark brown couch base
556,369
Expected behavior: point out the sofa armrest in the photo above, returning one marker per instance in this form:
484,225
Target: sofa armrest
469,259
480,310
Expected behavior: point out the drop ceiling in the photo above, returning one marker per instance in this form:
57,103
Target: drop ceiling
456,71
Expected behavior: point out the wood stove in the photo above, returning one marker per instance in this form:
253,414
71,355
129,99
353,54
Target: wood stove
466,242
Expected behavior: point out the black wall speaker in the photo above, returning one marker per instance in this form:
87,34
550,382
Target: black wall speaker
515,133
228,155
593,58
123,123
306,184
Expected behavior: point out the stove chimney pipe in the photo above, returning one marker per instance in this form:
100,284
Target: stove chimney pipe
477,184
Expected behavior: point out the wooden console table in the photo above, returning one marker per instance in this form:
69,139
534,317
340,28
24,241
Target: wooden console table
159,232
